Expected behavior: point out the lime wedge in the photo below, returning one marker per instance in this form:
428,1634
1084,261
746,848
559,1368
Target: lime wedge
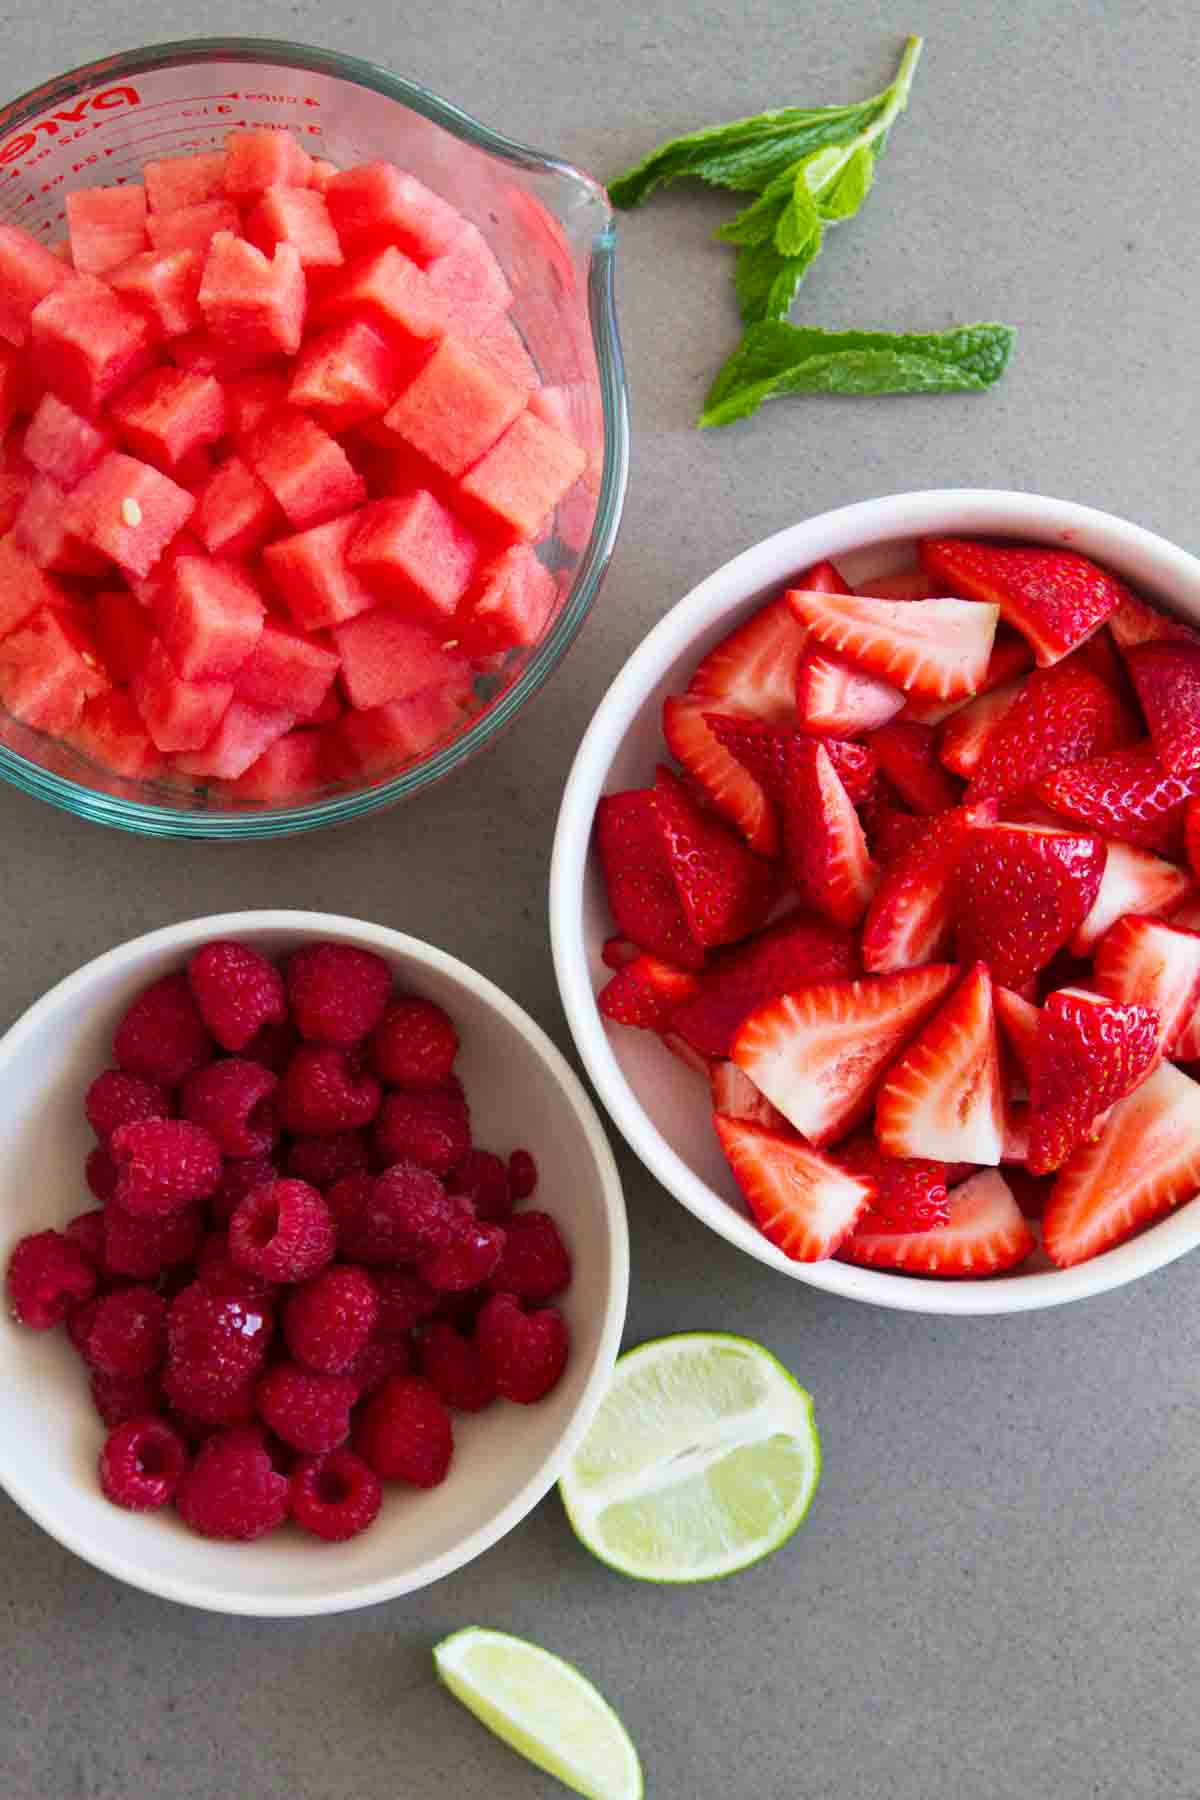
544,1709
702,1459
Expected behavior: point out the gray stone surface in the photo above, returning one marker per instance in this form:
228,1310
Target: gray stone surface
994,1596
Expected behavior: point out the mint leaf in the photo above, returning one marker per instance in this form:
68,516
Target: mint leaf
756,222
798,223
839,194
766,282
776,358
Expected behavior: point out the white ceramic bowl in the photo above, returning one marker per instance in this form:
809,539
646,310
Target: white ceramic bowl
521,1091
661,1107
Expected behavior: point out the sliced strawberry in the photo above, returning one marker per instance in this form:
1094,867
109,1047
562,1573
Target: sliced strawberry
794,952
1191,835
985,1234
732,789
1010,657
938,648
1015,1147
1136,623
905,584
641,892
908,757
1022,892
753,670
687,1055
857,767
644,993
911,917
1055,598
835,699
823,841
823,578
965,734
1167,679
616,952
1127,795
945,1097
735,1096
1091,1052
910,1192
1147,962
889,825
804,1204
1061,716
1019,1021
724,889
820,1052
1133,882
1144,1163
762,749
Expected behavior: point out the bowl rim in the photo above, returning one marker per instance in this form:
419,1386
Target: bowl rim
209,1597
194,821
730,588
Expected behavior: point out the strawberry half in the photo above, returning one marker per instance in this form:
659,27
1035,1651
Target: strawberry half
1127,795
645,992
965,734
835,699
794,952
945,1097
753,670
735,1096
724,889
911,917
1144,1163
763,751
1019,1021
985,1234
1022,892
804,1204
731,788
641,891
1061,716
1010,657
1134,881
1136,623
908,757
1148,962
1090,1053
819,1053
889,826
1167,678
910,1192
1055,598
938,648
823,840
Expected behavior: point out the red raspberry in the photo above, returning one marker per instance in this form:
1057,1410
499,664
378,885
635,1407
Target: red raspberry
120,1397
404,1300
216,1268
452,1363
336,992
413,1045
47,1276
404,1432
522,1354
236,990
100,1173
162,1036
215,1341
282,1231
115,1098
238,1179
195,1403
400,1215
328,1320
128,1332
465,1263
433,1130
324,1089
481,1181
79,1323
535,1264
231,1489
86,1232
308,1411
141,1463
522,1174
163,1165
232,1100
335,1496
375,1362
145,1247
274,1046
326,1156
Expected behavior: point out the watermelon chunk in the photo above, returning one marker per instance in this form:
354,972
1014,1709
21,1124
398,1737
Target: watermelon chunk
413,550
178,714
300,217
470,284
128,511
123,632
258,160
385,289
62,444
311,574
386,655
24,588
178,181
377,204
384,738
235,513
107,226
209,619
168,413
291,768
514,488
192,227
347,374
149,589
16,476
510,602
288,670
252,398
28,272
201,354
253,303
47,670
43,531
504,346
455,408
88,343
164,285
307,471
240,739
112,734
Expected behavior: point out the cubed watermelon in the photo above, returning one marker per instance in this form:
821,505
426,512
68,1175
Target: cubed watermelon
331,707
469,284
244,733
192,227
385,289
107,225
29,270
165,286
258,160
200,354
515,487
386,655
252,303
310,573
43,531
112,734
503,345
377,204
252,398
345,375
235,513
413,550
178,181
178,714
47,670
290,769
88,343
509,603
24,588
307,471
129,511
123,631
288,670
385,738
209,619
455,408
147,590
168,413
300,217
62,444
16,476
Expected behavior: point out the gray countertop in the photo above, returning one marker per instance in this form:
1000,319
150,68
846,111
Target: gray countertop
991,1596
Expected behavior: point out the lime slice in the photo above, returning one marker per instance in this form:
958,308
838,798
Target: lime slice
702,1459
544,1709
